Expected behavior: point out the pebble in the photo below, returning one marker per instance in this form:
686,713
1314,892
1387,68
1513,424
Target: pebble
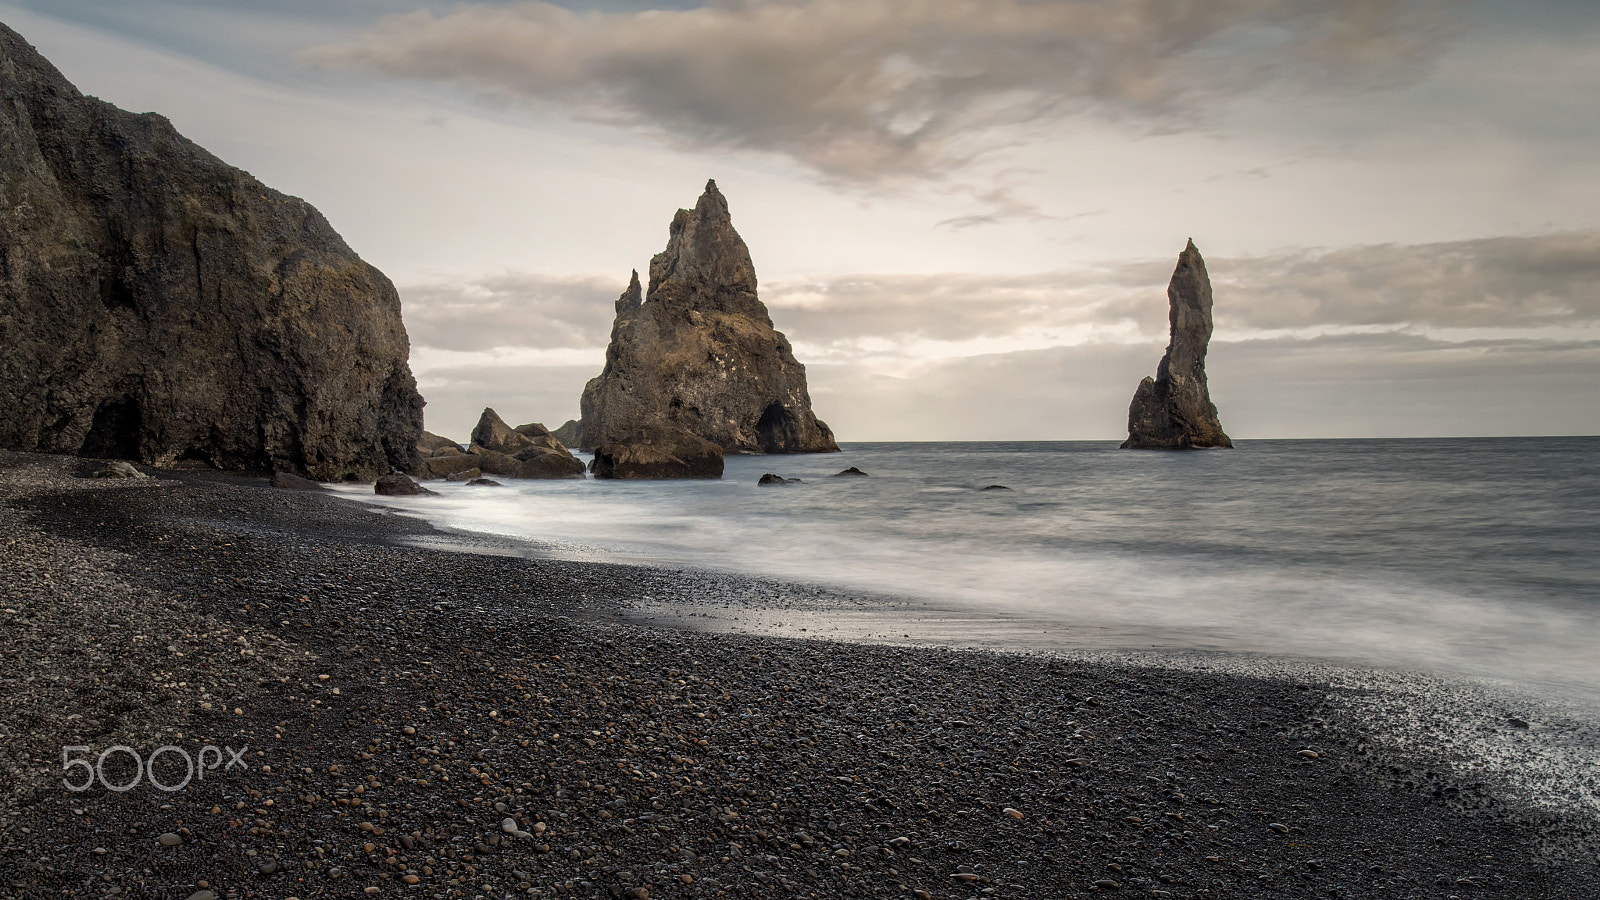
1308,754
1279,827
410,879
1013,813
964,876
202,895
509,826
169,839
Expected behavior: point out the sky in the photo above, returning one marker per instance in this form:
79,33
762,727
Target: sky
963,212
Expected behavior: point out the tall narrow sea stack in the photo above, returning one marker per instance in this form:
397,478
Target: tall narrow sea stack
1173,411
161,305
699,352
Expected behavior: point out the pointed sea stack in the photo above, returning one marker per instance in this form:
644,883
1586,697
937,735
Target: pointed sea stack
699,352
158,304
1173,411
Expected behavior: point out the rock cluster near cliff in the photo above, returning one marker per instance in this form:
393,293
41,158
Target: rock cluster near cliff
1173,411
527,451
157,304
699,353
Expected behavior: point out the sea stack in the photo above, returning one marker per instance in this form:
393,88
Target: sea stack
698,353
1173,411
158,304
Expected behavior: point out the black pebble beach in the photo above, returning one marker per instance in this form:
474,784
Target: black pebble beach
430,724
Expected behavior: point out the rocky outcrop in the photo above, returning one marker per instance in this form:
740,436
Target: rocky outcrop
700,353
158,304
1173,411
658,451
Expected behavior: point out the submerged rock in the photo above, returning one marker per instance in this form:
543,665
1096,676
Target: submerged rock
851,472
658,451
1173,411
700,353
484,482
161,305
770,478
995,487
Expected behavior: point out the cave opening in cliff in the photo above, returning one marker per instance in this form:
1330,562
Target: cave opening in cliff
114,434
777,430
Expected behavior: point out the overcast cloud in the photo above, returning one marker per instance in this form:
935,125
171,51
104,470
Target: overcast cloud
861,89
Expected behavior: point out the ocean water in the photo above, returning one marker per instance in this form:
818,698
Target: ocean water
1477,556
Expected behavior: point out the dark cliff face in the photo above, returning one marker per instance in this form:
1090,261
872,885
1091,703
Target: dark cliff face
159,304
700,353
1173,411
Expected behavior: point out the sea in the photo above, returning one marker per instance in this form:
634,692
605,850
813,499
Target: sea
1477,557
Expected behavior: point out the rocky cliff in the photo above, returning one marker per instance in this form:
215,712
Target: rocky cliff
158,304
1173,411
699,351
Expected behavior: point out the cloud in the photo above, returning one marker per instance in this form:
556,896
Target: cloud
1501,282
1372,385
511,310
867,89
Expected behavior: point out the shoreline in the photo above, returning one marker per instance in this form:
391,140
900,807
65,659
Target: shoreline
666,761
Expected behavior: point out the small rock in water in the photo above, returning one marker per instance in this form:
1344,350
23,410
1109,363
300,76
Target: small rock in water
484,482
770,478
852,472
397,485
996,487
1515,722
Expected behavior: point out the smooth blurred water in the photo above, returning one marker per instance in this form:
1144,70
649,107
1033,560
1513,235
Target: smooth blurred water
1475,555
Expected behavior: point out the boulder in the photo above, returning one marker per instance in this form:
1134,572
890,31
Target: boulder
291,482
445,466
493,433
484,482
397,485
658,451
160,305
770,478
1173,411
541,437
118,469
431,444
700,353
851,472
452,450
464,475
567,433
542,462
493,462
